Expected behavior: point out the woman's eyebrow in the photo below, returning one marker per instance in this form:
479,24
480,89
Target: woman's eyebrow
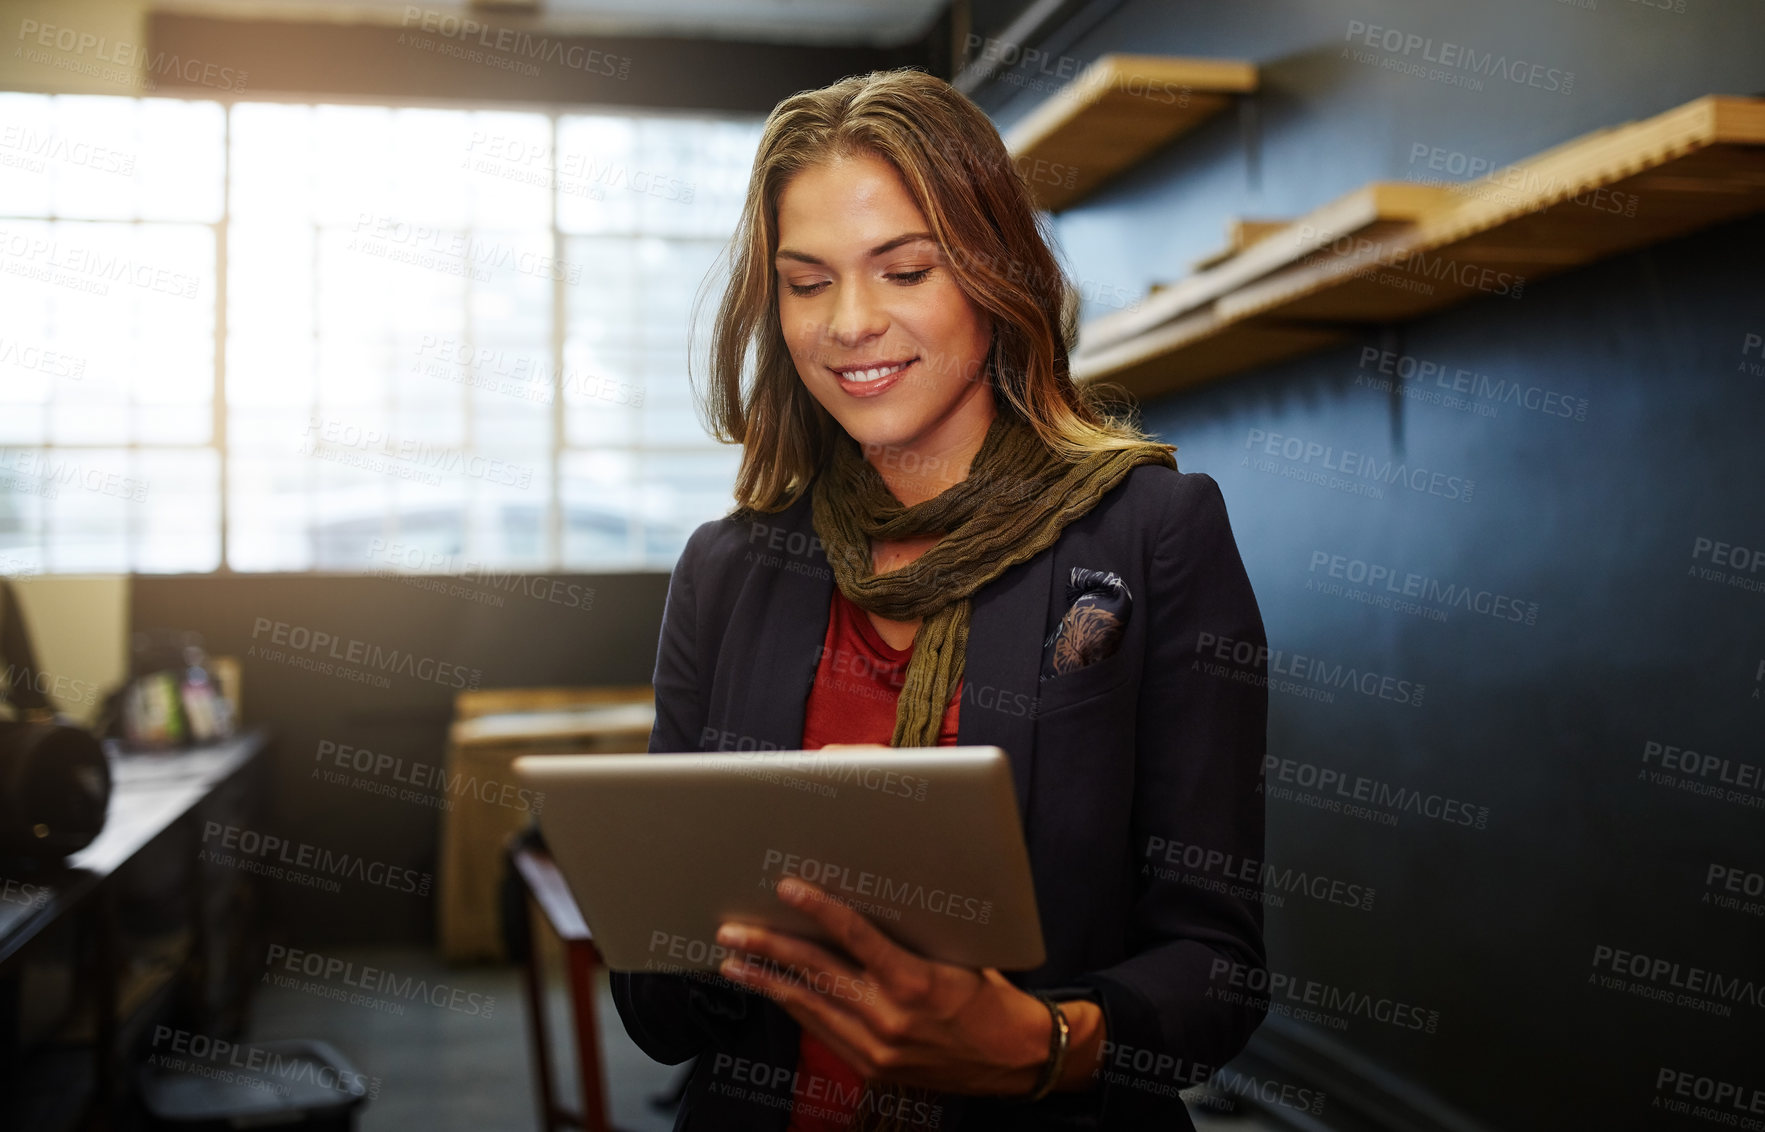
880,249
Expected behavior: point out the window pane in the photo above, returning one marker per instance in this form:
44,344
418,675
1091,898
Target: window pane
27,139
686,489
601,523
100,157
395,322
180,511
274,532
274,174
182,159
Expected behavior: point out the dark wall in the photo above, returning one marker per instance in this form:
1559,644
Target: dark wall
1590,528
417,647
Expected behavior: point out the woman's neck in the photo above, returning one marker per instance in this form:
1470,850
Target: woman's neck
924,471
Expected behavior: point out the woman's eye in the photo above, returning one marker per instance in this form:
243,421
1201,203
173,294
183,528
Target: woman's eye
911,277
806,288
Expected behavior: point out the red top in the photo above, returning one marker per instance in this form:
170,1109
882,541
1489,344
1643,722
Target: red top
852,701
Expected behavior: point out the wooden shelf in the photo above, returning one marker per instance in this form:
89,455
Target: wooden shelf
1121,108
1372,213
1294,291
1240,234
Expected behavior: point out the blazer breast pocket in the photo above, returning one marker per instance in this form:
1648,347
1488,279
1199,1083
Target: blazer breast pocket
1083,657
1089,682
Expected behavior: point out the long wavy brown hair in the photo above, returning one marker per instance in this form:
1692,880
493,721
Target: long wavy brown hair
979,208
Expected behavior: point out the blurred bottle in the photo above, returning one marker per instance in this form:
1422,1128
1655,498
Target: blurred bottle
207,714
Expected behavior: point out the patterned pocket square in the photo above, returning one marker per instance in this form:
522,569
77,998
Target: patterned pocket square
1098,607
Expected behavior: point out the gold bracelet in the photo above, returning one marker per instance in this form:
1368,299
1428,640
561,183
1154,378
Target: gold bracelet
1056,1051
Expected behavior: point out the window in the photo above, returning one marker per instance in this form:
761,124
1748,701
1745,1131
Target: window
396,337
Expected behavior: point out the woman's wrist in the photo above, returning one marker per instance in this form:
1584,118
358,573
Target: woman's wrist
1059,1035
1084,1046
1085,1034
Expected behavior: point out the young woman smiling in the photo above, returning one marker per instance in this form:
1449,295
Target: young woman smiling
987,558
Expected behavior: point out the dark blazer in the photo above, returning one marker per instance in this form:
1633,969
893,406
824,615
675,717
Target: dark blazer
1157,744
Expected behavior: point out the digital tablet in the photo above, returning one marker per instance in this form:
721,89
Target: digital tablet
661,849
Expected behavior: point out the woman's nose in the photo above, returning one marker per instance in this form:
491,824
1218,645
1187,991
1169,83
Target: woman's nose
856,316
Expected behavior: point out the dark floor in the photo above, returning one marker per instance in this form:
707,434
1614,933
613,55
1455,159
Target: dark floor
450,1070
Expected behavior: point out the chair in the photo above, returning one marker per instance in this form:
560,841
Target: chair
539,888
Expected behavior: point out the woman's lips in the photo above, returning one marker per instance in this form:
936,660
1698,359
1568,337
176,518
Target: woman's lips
859,383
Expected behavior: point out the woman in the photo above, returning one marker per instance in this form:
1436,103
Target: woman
939,539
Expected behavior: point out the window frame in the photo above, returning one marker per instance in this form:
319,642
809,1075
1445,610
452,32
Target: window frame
219,442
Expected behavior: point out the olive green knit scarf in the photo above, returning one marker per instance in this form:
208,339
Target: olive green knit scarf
1015,501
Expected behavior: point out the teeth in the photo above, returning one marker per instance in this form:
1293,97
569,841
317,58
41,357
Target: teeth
873,374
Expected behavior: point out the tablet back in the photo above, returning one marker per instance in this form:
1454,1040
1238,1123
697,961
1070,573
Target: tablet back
661,849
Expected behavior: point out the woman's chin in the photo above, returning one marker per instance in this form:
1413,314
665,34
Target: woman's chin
875,431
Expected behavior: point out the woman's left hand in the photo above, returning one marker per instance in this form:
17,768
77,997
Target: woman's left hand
897,1016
